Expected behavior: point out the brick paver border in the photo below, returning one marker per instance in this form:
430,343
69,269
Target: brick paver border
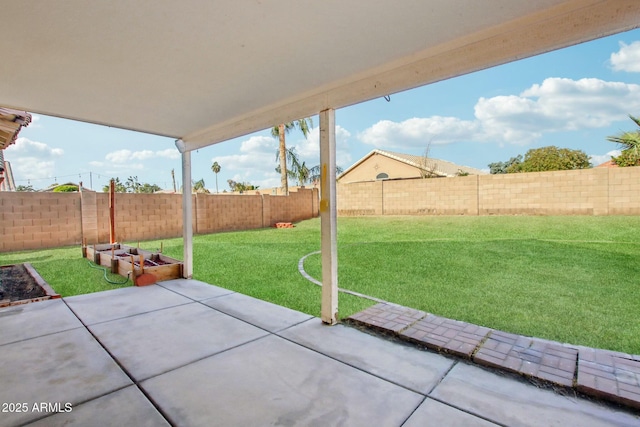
604,374
442,334
611,375
529,357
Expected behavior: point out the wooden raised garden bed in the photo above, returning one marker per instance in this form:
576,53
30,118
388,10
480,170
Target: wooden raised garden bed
142,267
21,284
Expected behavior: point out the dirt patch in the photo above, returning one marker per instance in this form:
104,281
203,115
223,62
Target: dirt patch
17,284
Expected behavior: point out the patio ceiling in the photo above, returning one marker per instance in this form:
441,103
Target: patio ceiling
207,71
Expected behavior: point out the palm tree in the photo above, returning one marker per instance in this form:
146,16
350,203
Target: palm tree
315,174
215,167
279,132
199,186
294,167
302,174
630,144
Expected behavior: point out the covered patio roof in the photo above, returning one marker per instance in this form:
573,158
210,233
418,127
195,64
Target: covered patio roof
208,71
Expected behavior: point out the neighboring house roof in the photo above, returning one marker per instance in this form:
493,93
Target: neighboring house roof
607,164
438,167
11,122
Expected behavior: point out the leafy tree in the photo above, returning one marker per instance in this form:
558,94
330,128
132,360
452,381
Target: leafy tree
502,167
215,167
118,186
544,159
132,186
241,186
630,144
279,132
66,188
25,188
553,159
148,188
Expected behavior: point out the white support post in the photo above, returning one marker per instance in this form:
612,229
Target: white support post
328,217
187,217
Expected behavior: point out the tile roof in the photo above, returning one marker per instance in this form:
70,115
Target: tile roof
607,164
11,122
439,166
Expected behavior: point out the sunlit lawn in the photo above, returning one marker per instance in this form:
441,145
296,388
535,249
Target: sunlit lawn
571,279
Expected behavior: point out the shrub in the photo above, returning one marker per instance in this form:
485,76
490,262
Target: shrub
66,188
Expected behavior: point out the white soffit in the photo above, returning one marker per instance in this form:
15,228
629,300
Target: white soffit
205,71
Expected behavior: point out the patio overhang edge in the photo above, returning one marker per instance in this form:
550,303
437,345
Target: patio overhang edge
565,25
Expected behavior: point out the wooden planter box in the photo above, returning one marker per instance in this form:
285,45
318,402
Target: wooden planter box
49,292
142,267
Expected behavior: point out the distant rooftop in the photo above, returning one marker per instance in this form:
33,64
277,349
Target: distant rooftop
11,122
440,167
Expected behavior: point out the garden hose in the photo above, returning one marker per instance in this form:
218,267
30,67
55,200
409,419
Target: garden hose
113,282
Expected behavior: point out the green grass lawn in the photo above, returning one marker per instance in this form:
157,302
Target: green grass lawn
571,279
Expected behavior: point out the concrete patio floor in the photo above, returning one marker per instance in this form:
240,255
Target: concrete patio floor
186,353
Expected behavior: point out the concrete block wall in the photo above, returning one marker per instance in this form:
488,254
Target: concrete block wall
89,218
360,198
579,192
45,220
139,216
598,191
39,220
147,216
624,191
220,212
298,205
436,196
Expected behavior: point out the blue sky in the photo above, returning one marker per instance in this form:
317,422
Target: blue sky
570,98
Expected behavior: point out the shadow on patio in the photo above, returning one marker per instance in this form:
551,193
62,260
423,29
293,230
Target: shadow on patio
186,353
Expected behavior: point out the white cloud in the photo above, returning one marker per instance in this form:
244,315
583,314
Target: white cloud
256,160
25,146
31,159
557,104
255,163
169,153
124,156
597,159
309,149
257,152
627,58
120,156
584,103
418,132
